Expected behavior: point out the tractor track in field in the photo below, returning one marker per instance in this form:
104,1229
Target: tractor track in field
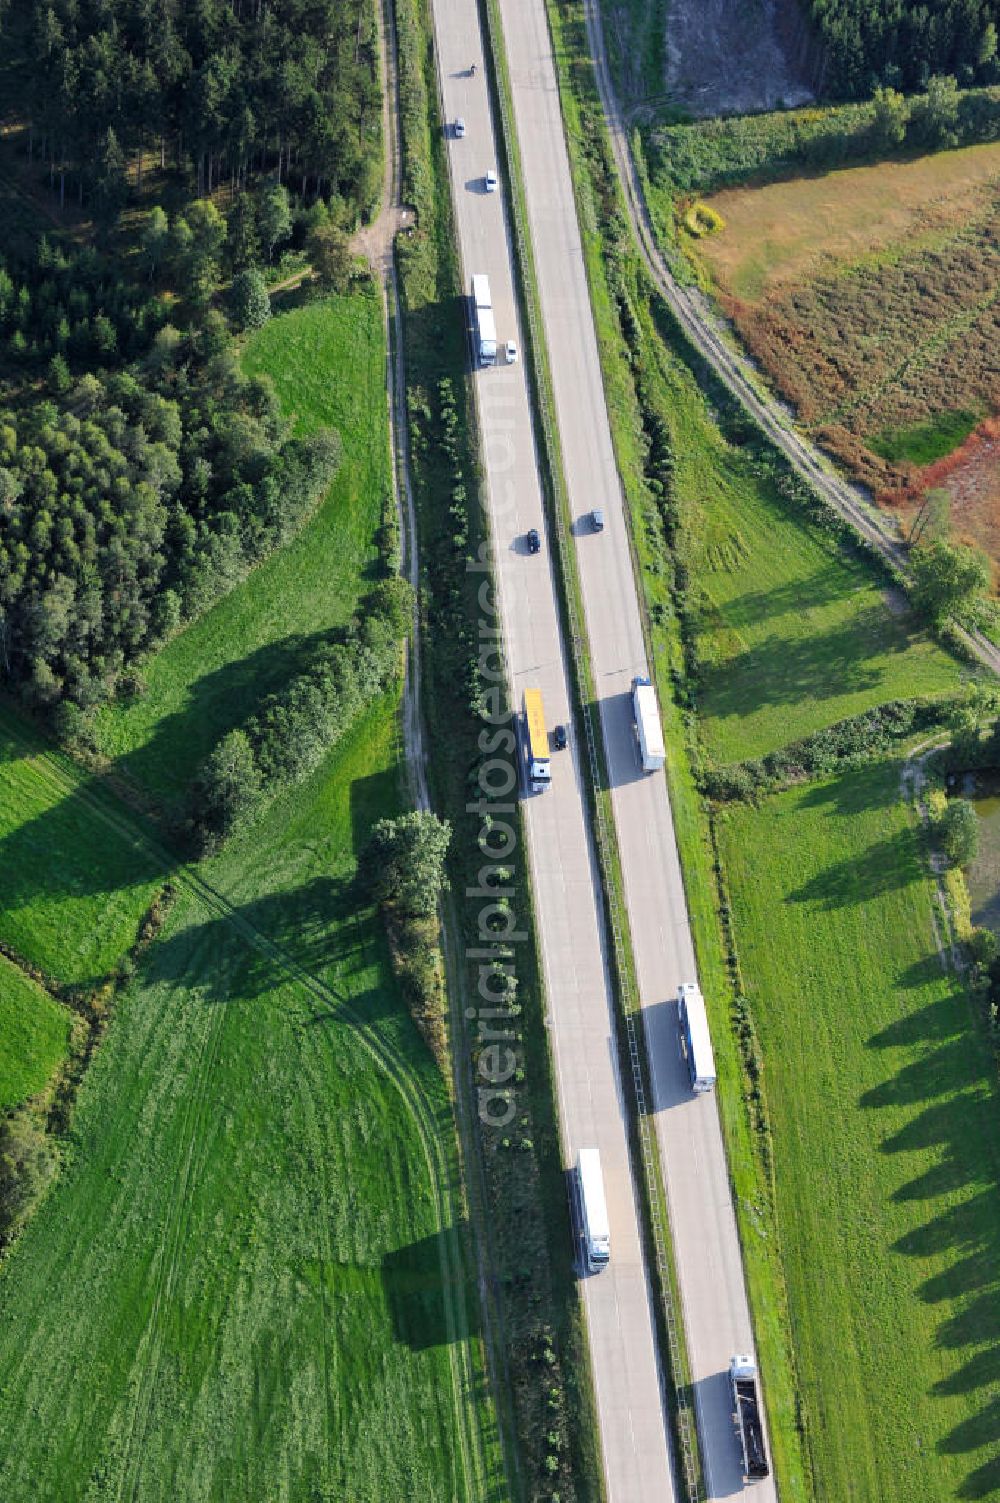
57,772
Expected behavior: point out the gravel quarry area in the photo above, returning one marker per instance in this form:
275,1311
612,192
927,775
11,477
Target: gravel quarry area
730,57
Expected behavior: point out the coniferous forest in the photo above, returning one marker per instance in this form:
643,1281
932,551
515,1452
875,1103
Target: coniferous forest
903,43
157,159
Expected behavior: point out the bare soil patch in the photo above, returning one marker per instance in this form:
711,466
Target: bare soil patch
730,57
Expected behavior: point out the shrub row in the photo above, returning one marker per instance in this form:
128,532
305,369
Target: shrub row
710,154
294,729
847,743
403,868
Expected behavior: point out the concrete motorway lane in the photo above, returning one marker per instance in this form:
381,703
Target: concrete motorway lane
617,1302
706,1242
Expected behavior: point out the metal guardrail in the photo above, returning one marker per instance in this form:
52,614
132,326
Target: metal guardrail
606,839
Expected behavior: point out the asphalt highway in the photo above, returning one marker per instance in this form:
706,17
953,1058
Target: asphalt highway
617,1301
706,1242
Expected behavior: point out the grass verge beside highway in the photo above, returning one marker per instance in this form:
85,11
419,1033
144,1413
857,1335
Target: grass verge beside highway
882,1102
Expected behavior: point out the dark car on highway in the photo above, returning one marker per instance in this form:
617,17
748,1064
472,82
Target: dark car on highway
534,541
560,738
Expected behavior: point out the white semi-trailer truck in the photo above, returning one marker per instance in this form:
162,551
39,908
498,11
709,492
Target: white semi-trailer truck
746,1412
594,1210
648,729
483,322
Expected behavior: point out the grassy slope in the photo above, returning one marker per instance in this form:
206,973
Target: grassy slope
73,922
793,634
327,362
246,1235
34,1033
883,1105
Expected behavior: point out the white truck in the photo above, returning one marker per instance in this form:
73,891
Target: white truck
594,1210
746,1413
648,729
696,1040
483,322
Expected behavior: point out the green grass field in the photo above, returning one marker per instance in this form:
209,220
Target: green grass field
792,632
237,1289
882,1099
327,359
34,1034
74,889
250,1280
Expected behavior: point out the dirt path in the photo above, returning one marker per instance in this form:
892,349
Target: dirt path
913,783
710,338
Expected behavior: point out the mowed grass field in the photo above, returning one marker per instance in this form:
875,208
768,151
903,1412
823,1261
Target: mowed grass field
250,1280
882,1097
74,888
327,360
778,234
792,633
34,1035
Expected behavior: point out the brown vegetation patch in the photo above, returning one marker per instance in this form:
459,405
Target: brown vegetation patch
885,346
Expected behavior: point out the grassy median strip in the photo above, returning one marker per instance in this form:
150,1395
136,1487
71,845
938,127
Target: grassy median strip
542,1365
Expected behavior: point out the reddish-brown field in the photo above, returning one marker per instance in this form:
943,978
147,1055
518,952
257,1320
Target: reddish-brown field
871,299
971,476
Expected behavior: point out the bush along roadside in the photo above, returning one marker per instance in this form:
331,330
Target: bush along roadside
498,1033
632,328
847,743
403,870
31,1133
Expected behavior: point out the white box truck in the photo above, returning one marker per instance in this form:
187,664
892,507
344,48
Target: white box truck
696,1041
594,1210
648,729
482,318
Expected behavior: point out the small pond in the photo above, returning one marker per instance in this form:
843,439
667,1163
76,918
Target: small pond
983,876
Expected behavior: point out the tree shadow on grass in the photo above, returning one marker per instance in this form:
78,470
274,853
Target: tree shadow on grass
941,1072
820,588
321,928
887,866
412,1278
855,792
793,671
70,849
961,1187
215,704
